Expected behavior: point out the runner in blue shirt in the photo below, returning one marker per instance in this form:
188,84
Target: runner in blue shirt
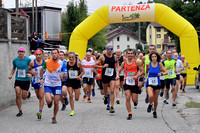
22,77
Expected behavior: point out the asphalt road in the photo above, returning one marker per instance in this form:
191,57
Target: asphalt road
94,118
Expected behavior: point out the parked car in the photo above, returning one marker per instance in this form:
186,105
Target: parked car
197,77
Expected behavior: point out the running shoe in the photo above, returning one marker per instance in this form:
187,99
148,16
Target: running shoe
29,95
19,114
155,114
183,91
108,107
117,101
106,100
93,92
49,105
165,101
66,101
63,107
173,103
39,115
149,108
146,99
89,100
112,110
129,117
72,113
83,99
54,120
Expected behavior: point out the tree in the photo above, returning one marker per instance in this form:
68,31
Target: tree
27,3
75,14
139,46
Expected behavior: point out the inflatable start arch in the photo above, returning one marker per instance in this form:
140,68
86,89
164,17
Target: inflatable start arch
159,13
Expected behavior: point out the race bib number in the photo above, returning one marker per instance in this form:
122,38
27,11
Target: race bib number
170,73
37,79
21,73
130,81
88,73
184,70
58,92
153,81
73,74
109,72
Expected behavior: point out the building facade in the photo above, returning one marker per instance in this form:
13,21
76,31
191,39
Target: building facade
156,34
122,38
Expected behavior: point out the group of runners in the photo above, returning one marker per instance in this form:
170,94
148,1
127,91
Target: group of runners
58,79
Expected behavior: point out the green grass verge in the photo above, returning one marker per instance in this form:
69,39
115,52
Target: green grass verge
192,105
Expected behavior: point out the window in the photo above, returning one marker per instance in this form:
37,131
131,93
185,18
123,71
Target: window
165,30
158,36
150,27
150,36
158,29
117,38
127,38
158,46
118,47
128,46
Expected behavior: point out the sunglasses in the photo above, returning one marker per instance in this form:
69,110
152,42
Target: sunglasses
109,49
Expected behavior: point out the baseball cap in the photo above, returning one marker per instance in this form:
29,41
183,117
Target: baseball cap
138,50
21,49
90,49
109,45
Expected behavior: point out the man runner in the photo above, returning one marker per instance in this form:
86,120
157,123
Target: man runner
170,65
130,67
88,65
63,97
108,60
34,69
74,79
54,69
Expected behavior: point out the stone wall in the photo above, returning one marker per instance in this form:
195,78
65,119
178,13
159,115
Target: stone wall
8,51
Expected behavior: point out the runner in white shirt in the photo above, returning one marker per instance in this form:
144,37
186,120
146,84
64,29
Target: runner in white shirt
88,66
179,68
55,72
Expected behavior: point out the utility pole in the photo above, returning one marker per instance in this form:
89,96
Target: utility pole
36,18
17,7
139,33
32,15
1,3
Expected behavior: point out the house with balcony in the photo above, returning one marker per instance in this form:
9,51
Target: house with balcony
122,38
156,34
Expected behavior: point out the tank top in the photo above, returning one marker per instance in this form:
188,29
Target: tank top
153,78
36,68
110,70
73,72
184,71
129,72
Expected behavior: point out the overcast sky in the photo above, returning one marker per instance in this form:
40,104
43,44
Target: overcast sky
92,4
